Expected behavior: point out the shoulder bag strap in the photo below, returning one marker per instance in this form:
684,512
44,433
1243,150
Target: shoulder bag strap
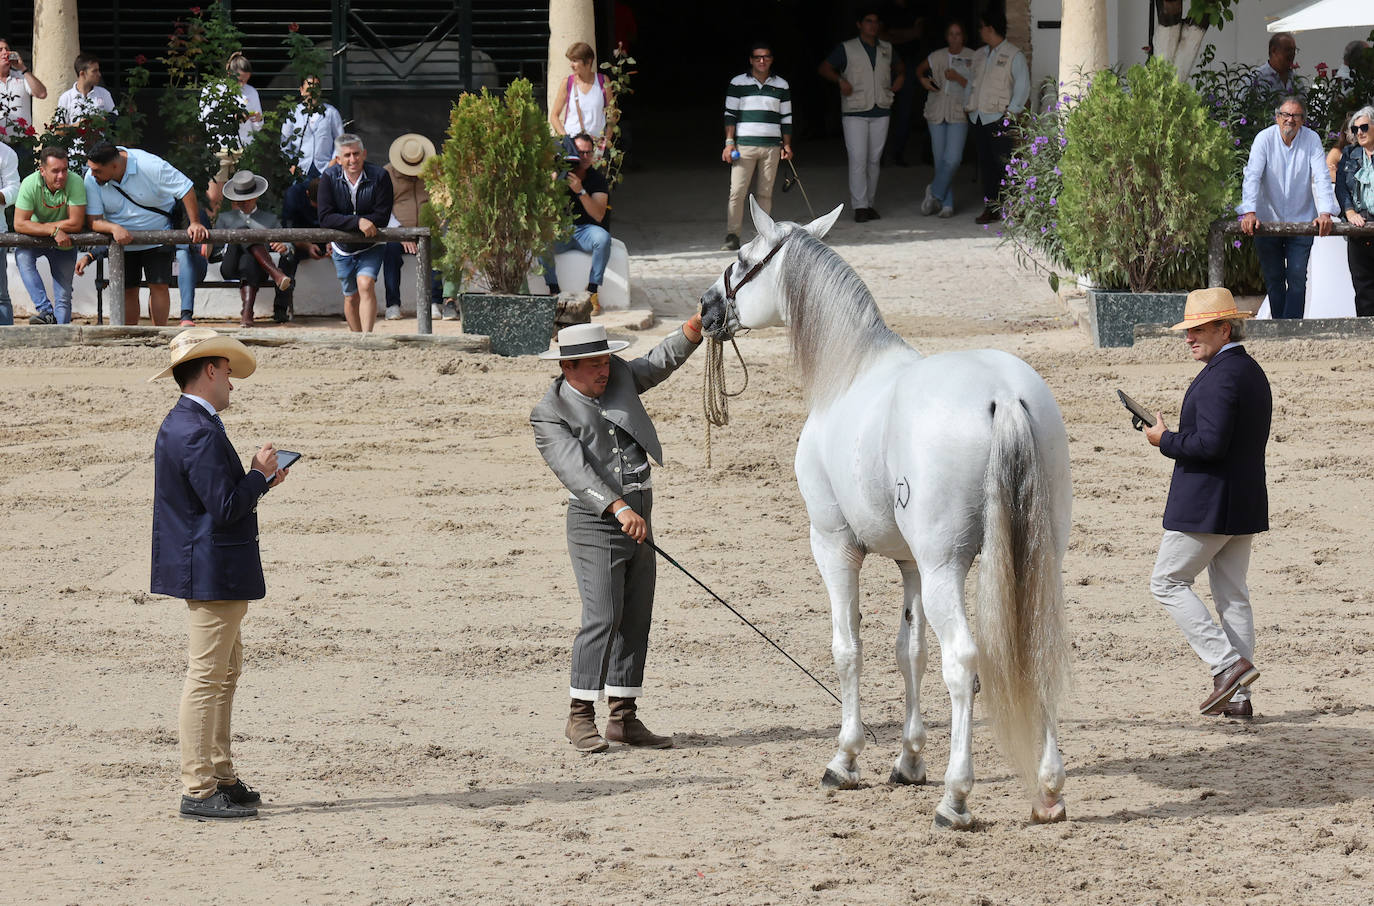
170,215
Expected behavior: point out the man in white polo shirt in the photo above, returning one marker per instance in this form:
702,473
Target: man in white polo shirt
85,99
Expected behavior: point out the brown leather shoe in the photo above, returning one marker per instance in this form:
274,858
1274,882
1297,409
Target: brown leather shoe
581,730
1238,710
248,295
1225,684
624,726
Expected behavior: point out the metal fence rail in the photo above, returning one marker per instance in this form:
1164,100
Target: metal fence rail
1220,229
419,235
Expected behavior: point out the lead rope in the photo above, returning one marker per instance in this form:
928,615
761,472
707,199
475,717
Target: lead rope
715,398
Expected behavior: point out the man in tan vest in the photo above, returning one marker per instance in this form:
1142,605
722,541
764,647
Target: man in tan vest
869,76
1001,86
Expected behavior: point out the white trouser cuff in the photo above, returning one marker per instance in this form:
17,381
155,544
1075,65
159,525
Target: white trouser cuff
586,695
624,691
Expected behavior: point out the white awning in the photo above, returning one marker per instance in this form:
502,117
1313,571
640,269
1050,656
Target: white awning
1326,14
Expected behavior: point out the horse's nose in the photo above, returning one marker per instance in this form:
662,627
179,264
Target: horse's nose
712,312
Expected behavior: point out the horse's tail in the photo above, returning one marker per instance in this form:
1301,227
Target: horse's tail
1023,663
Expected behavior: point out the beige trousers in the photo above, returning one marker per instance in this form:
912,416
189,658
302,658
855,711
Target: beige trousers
213,663
752,159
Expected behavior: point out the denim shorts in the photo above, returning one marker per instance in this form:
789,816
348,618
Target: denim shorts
348,268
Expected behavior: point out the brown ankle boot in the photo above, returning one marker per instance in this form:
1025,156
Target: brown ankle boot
248,295
263,256
624,726
581,729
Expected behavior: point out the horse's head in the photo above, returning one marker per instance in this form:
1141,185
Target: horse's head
749,293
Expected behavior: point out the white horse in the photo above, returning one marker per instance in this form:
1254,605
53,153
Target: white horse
927,461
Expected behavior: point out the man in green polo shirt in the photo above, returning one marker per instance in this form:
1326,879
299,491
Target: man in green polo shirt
758,134
51,206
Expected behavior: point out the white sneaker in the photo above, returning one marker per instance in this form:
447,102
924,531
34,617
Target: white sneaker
947,211
930,204
393,312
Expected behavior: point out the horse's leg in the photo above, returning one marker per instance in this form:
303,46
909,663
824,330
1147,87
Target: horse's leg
839,559
943,596
911,660
1049,805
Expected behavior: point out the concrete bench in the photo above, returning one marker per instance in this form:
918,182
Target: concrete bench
573,268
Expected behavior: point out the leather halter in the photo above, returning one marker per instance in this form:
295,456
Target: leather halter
753,271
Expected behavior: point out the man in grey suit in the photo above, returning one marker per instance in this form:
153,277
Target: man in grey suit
592,430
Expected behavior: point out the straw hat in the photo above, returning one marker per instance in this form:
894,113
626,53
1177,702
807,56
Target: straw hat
244,185
583,341
1206,305
409,153
203,343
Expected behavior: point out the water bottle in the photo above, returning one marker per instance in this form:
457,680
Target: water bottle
734,153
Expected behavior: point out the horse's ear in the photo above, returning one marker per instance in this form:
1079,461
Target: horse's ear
763,224
821,225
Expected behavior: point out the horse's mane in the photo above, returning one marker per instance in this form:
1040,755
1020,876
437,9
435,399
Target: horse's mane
836,327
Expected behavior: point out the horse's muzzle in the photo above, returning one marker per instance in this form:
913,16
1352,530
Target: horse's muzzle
715,316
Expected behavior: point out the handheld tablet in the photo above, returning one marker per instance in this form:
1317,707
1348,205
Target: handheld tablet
1139,414
286,459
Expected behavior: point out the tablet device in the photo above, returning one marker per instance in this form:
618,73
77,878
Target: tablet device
1139,414
286,459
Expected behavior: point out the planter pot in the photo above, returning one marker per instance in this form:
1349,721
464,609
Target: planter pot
517,325
1112,315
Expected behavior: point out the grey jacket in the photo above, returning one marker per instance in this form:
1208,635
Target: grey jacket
574,438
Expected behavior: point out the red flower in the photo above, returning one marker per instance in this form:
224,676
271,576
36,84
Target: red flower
21,122
29,130
1321,68
293,27
195,10
140,59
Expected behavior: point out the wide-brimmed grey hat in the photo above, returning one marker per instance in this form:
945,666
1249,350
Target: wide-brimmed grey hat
244,185
583,341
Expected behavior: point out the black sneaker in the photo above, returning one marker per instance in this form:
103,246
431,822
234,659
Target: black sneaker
43,317
240,793
217,807
730,244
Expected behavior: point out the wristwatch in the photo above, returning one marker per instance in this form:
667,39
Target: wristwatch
583,192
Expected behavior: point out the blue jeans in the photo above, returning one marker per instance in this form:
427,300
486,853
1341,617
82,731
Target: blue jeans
1283,262
590,238
947,147
189,262
6,307
348,268
62,264
392,261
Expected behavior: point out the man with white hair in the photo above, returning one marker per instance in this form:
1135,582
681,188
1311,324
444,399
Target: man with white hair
357,196
1286,181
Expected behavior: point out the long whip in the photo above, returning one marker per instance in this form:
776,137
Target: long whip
797,180
664,554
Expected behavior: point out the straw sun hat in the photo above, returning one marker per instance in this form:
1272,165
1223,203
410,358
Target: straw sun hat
1207,305
204,343
409,153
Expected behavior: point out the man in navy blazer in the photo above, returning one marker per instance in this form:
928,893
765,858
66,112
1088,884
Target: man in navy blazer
1217,498
205,550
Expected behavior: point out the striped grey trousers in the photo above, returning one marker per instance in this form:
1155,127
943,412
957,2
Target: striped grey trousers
616,579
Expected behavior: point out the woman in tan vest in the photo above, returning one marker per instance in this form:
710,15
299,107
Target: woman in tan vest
1001,86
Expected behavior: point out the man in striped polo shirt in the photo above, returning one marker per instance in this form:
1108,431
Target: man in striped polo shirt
758,134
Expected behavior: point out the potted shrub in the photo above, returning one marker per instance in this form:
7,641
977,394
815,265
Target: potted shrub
1120,185
494,191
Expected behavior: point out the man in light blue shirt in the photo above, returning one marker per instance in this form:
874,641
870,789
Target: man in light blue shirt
128,189
1286,181
308,136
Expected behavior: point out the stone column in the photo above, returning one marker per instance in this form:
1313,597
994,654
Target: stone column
56,42
1082,39
570,21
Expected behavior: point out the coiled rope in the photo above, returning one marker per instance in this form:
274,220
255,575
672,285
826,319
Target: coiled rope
715,397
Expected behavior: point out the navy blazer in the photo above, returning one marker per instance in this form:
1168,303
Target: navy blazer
205,521
1218,485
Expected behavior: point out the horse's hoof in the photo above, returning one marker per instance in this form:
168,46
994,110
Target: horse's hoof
833,780
947,818
1052,815
898,777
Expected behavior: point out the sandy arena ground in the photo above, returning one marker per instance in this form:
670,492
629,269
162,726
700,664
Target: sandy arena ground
406,677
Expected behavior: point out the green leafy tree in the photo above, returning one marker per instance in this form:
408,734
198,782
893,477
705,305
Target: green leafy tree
494,187
1145,172
197,50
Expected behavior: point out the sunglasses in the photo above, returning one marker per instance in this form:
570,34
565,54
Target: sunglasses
1292,116
761,56
1362,127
